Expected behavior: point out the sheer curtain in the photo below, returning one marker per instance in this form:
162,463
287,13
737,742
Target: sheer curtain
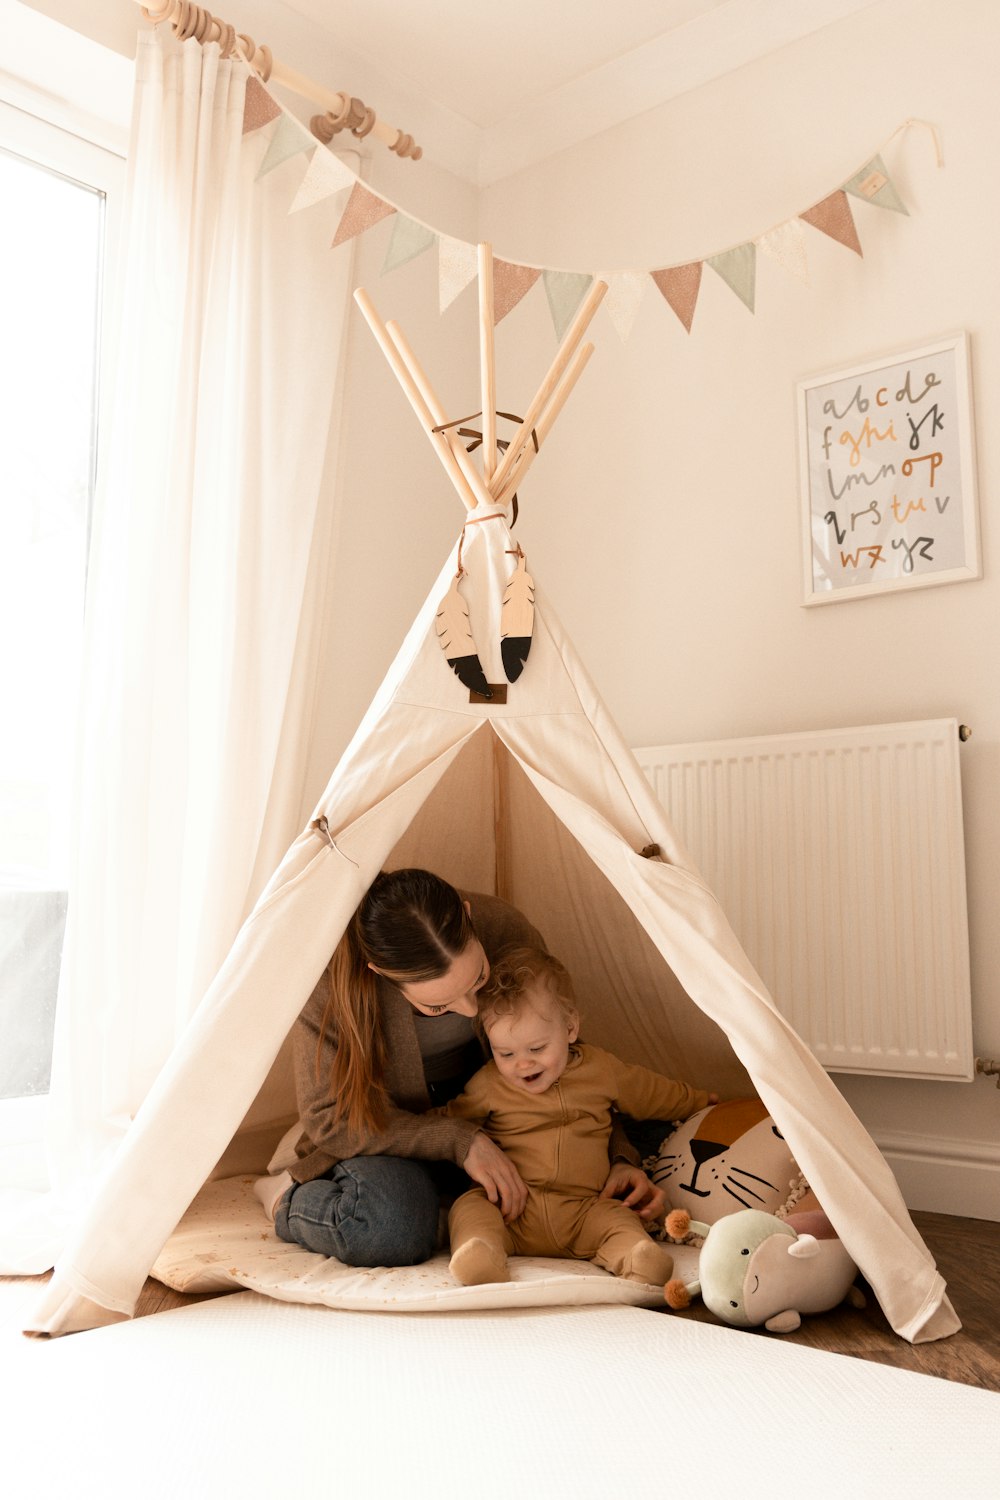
204,596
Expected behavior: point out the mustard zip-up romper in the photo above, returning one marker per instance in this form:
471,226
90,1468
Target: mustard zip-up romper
559,1143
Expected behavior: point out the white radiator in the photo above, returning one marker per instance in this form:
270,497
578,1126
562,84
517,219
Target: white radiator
839,859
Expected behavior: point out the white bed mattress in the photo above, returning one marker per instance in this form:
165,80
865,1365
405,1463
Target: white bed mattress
244,1397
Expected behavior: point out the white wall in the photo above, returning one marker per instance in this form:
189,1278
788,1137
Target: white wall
664,517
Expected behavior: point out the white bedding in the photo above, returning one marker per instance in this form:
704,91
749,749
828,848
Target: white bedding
225,1240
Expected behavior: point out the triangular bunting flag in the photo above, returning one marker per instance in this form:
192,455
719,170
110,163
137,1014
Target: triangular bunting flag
738,269
680,286
258,106
288,140
872,183
833,216
457,266
364,209
409,239
626,290
565,291
786,244
511,282
326,174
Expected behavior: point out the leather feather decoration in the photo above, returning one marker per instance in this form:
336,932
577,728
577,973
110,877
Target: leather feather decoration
517,619
455,634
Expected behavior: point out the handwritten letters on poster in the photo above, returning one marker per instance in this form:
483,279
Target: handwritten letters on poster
887,470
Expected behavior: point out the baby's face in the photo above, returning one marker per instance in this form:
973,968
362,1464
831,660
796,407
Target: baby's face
531,1048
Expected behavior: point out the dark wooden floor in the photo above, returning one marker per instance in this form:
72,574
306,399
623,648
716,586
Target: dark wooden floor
967,1252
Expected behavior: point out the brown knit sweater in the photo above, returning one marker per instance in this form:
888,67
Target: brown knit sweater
408,1131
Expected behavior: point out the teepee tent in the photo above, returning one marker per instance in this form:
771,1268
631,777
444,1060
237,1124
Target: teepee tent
531,793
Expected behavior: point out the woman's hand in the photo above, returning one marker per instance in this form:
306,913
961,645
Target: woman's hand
497,1175
635,1190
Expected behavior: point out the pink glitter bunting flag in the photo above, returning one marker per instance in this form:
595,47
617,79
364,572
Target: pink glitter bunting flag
833,216
511,282
680,286
363,210
258,106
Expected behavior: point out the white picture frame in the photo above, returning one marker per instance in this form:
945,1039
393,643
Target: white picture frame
887,473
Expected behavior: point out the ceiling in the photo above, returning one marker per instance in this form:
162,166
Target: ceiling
487,87
511,82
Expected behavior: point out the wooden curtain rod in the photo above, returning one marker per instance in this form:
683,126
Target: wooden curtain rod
342,111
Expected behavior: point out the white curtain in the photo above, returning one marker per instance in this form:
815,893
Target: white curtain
209,547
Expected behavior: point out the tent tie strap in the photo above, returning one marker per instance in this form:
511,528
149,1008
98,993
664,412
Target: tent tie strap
322,827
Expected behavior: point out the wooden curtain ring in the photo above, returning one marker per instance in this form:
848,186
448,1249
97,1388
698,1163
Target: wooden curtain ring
227,39
367,122
158,13
185,22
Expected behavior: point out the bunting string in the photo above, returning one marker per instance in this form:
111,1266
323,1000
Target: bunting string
327,175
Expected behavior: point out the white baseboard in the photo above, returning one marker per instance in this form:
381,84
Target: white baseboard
945,1176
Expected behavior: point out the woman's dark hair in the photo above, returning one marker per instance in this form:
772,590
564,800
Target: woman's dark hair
411,926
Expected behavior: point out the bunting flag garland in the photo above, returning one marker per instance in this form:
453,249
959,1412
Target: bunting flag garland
680,285
833,216
258,106
458,265
565,291
285,143
786,245
872,183
409,239
738,269
511,282
364,208
626,290
327,175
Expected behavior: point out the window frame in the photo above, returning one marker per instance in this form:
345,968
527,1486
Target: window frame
53,144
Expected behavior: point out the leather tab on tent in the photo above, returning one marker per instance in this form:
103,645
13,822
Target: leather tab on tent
833,216
498,694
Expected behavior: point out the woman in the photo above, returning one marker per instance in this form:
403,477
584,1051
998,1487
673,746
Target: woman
387,1034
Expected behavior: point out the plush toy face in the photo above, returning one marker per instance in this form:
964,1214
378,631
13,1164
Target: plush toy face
725,1158
740,1267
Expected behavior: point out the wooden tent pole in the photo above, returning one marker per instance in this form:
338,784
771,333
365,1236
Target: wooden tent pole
564,354
473,479
438,440
545,422
487,365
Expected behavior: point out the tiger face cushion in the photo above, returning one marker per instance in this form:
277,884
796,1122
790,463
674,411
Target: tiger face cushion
724,1158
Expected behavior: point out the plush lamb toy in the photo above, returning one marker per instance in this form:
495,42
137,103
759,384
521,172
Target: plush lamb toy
756,1269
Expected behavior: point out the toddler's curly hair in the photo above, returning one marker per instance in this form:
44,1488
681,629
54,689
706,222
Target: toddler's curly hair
515,971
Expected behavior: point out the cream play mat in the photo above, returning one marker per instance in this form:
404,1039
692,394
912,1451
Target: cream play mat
225,1240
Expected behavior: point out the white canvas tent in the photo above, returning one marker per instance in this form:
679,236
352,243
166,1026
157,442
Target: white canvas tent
538,799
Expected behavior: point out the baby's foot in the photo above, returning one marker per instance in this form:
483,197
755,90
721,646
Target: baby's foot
477,1262
649,1262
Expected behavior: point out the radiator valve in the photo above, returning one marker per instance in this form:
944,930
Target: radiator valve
989,1067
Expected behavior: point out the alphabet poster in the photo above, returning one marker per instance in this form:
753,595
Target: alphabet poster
886,454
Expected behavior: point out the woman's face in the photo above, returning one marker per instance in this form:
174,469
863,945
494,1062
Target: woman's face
455,991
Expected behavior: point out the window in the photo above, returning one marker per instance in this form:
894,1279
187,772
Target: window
59,196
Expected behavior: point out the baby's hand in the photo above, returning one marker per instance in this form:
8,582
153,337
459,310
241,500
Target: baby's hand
635,1190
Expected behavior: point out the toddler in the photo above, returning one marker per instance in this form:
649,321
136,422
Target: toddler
546,1099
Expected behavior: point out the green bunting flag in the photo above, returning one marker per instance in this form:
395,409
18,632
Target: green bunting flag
738,269
409,239
872,183
287,141
565,291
